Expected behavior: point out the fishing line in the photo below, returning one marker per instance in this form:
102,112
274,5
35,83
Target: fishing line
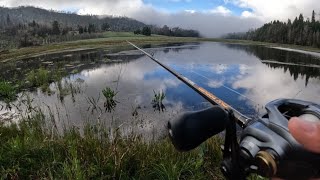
240,118
230,89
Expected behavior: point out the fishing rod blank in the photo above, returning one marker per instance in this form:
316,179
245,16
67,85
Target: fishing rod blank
242,120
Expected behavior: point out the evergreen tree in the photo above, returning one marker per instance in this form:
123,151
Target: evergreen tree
91,28
9,23
146,31
300,32
55,28
105,27
80,29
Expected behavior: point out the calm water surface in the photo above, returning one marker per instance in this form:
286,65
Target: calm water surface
260,74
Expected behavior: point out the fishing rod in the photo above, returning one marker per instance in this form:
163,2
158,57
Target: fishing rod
241,119
265,145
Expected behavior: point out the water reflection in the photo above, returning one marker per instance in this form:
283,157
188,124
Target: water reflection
145,96
286,57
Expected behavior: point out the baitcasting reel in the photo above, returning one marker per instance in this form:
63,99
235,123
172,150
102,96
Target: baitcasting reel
265,146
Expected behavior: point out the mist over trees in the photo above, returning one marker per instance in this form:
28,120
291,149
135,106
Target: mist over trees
166,31
30,26
300,31
176,31
24,15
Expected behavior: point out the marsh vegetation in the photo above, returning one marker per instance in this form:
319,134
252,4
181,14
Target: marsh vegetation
102,114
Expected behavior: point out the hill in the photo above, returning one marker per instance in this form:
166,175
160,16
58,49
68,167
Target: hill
31,26
25,15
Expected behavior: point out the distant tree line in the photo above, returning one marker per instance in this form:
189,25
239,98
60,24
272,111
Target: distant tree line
34,34
30,26
165,30
176,31
300,31
24,15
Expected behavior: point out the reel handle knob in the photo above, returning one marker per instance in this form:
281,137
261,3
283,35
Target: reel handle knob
266,164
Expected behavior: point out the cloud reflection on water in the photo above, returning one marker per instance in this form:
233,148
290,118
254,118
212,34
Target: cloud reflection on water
234,66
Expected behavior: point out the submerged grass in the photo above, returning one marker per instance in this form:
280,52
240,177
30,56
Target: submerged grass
157,101
110,102
29,151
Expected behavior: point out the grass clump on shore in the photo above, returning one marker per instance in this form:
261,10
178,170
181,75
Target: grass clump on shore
38,77
32,150
7,92
42,78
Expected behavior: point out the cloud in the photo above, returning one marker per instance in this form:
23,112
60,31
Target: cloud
275,9
247,14
221,10
277,84
215,84
190,11
217,23
220,68
99,7
209,24
180,0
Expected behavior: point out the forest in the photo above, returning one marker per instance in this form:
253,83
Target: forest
301,31
31,26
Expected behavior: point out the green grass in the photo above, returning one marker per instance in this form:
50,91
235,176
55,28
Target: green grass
120,34
114,40
7,92
110,102
32,150
157,101
38,77
42,78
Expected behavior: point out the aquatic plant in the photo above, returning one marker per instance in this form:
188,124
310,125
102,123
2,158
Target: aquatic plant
68,87
157,102
93,104
134,112
42,78
75,71
38,77
7,92
110,103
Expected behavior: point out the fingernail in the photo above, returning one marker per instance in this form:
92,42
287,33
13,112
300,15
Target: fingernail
309,127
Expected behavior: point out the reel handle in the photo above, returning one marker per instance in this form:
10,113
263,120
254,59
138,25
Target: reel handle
193,128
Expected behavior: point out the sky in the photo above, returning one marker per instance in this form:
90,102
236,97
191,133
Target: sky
212,18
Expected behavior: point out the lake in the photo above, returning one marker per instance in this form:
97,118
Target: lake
244,76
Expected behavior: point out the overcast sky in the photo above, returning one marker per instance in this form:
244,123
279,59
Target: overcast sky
212,18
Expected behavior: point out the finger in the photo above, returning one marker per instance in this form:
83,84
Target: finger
306,133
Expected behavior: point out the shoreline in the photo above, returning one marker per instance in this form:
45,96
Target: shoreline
118,42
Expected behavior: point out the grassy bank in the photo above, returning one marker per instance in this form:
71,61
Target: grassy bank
33,150
113,40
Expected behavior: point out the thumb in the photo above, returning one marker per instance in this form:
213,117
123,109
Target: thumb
306,133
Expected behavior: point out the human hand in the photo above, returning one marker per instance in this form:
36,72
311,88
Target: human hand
306,133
